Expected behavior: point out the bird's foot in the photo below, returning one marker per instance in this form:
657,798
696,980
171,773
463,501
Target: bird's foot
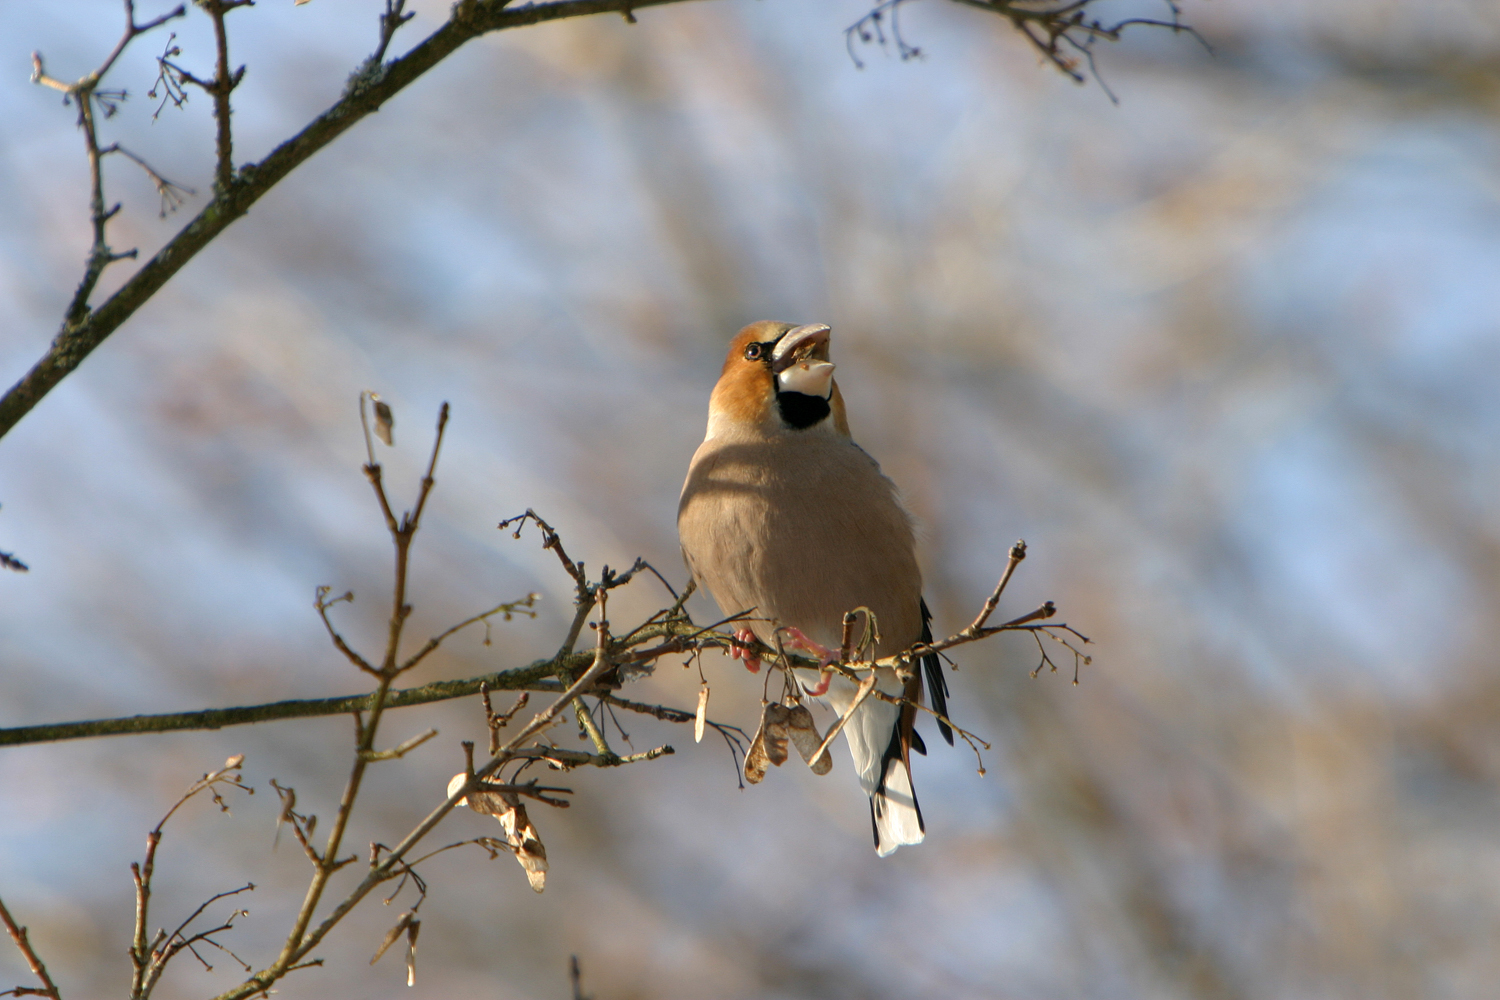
797,639
744,642
821,688
826,656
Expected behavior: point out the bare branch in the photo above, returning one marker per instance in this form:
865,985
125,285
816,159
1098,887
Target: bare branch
496,721
220,88
169,78
536,676
379,873
84,92
575,976
506,609
149,958
83,329
37,966
401,749
173,195
390,22
1055,28
302,826
166,947
550,540
322,604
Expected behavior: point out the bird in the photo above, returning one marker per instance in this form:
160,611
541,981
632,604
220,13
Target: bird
784,516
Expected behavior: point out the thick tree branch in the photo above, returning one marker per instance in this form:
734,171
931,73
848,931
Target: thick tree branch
533,677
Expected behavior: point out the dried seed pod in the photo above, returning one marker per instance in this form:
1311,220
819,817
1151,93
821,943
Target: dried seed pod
527,845
702,717
411,951
385,420
520,835
804,735
769,744
401,927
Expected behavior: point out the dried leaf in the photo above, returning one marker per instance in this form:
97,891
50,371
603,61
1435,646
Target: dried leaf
702,716
804,735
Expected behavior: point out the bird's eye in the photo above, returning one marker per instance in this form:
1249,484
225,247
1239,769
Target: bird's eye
754,351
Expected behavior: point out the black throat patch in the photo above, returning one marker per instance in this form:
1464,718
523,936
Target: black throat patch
800,410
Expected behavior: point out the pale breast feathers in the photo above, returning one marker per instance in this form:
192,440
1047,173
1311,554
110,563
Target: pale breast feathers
803,530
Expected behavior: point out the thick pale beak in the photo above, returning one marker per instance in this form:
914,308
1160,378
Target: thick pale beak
800,361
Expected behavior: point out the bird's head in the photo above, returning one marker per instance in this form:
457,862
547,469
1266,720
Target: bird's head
777,377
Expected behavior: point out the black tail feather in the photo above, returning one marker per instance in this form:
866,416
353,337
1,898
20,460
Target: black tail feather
937,684
892,752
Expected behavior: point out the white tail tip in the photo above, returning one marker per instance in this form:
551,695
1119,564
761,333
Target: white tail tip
894,812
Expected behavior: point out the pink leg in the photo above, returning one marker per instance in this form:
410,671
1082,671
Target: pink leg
739,652
823,653
820,688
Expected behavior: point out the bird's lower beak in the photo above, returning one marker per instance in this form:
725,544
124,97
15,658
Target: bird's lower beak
800,361
811,378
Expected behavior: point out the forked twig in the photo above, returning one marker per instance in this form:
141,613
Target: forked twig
149,958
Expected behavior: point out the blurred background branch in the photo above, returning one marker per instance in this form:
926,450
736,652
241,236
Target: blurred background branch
85,326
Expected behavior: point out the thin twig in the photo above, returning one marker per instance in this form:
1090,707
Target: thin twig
1048,25
33,961
575,975
524,606
223,85
550,540
390,22
401,749
84,93
322,604
173,195
149,958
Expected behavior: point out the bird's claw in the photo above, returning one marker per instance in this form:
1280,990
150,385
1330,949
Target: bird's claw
820,688
799,640
740,649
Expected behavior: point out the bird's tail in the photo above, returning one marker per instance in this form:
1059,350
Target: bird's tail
894,812
875,740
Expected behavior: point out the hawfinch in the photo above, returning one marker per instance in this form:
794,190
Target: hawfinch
783,515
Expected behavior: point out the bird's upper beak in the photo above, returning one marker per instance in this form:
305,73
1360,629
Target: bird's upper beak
800,361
